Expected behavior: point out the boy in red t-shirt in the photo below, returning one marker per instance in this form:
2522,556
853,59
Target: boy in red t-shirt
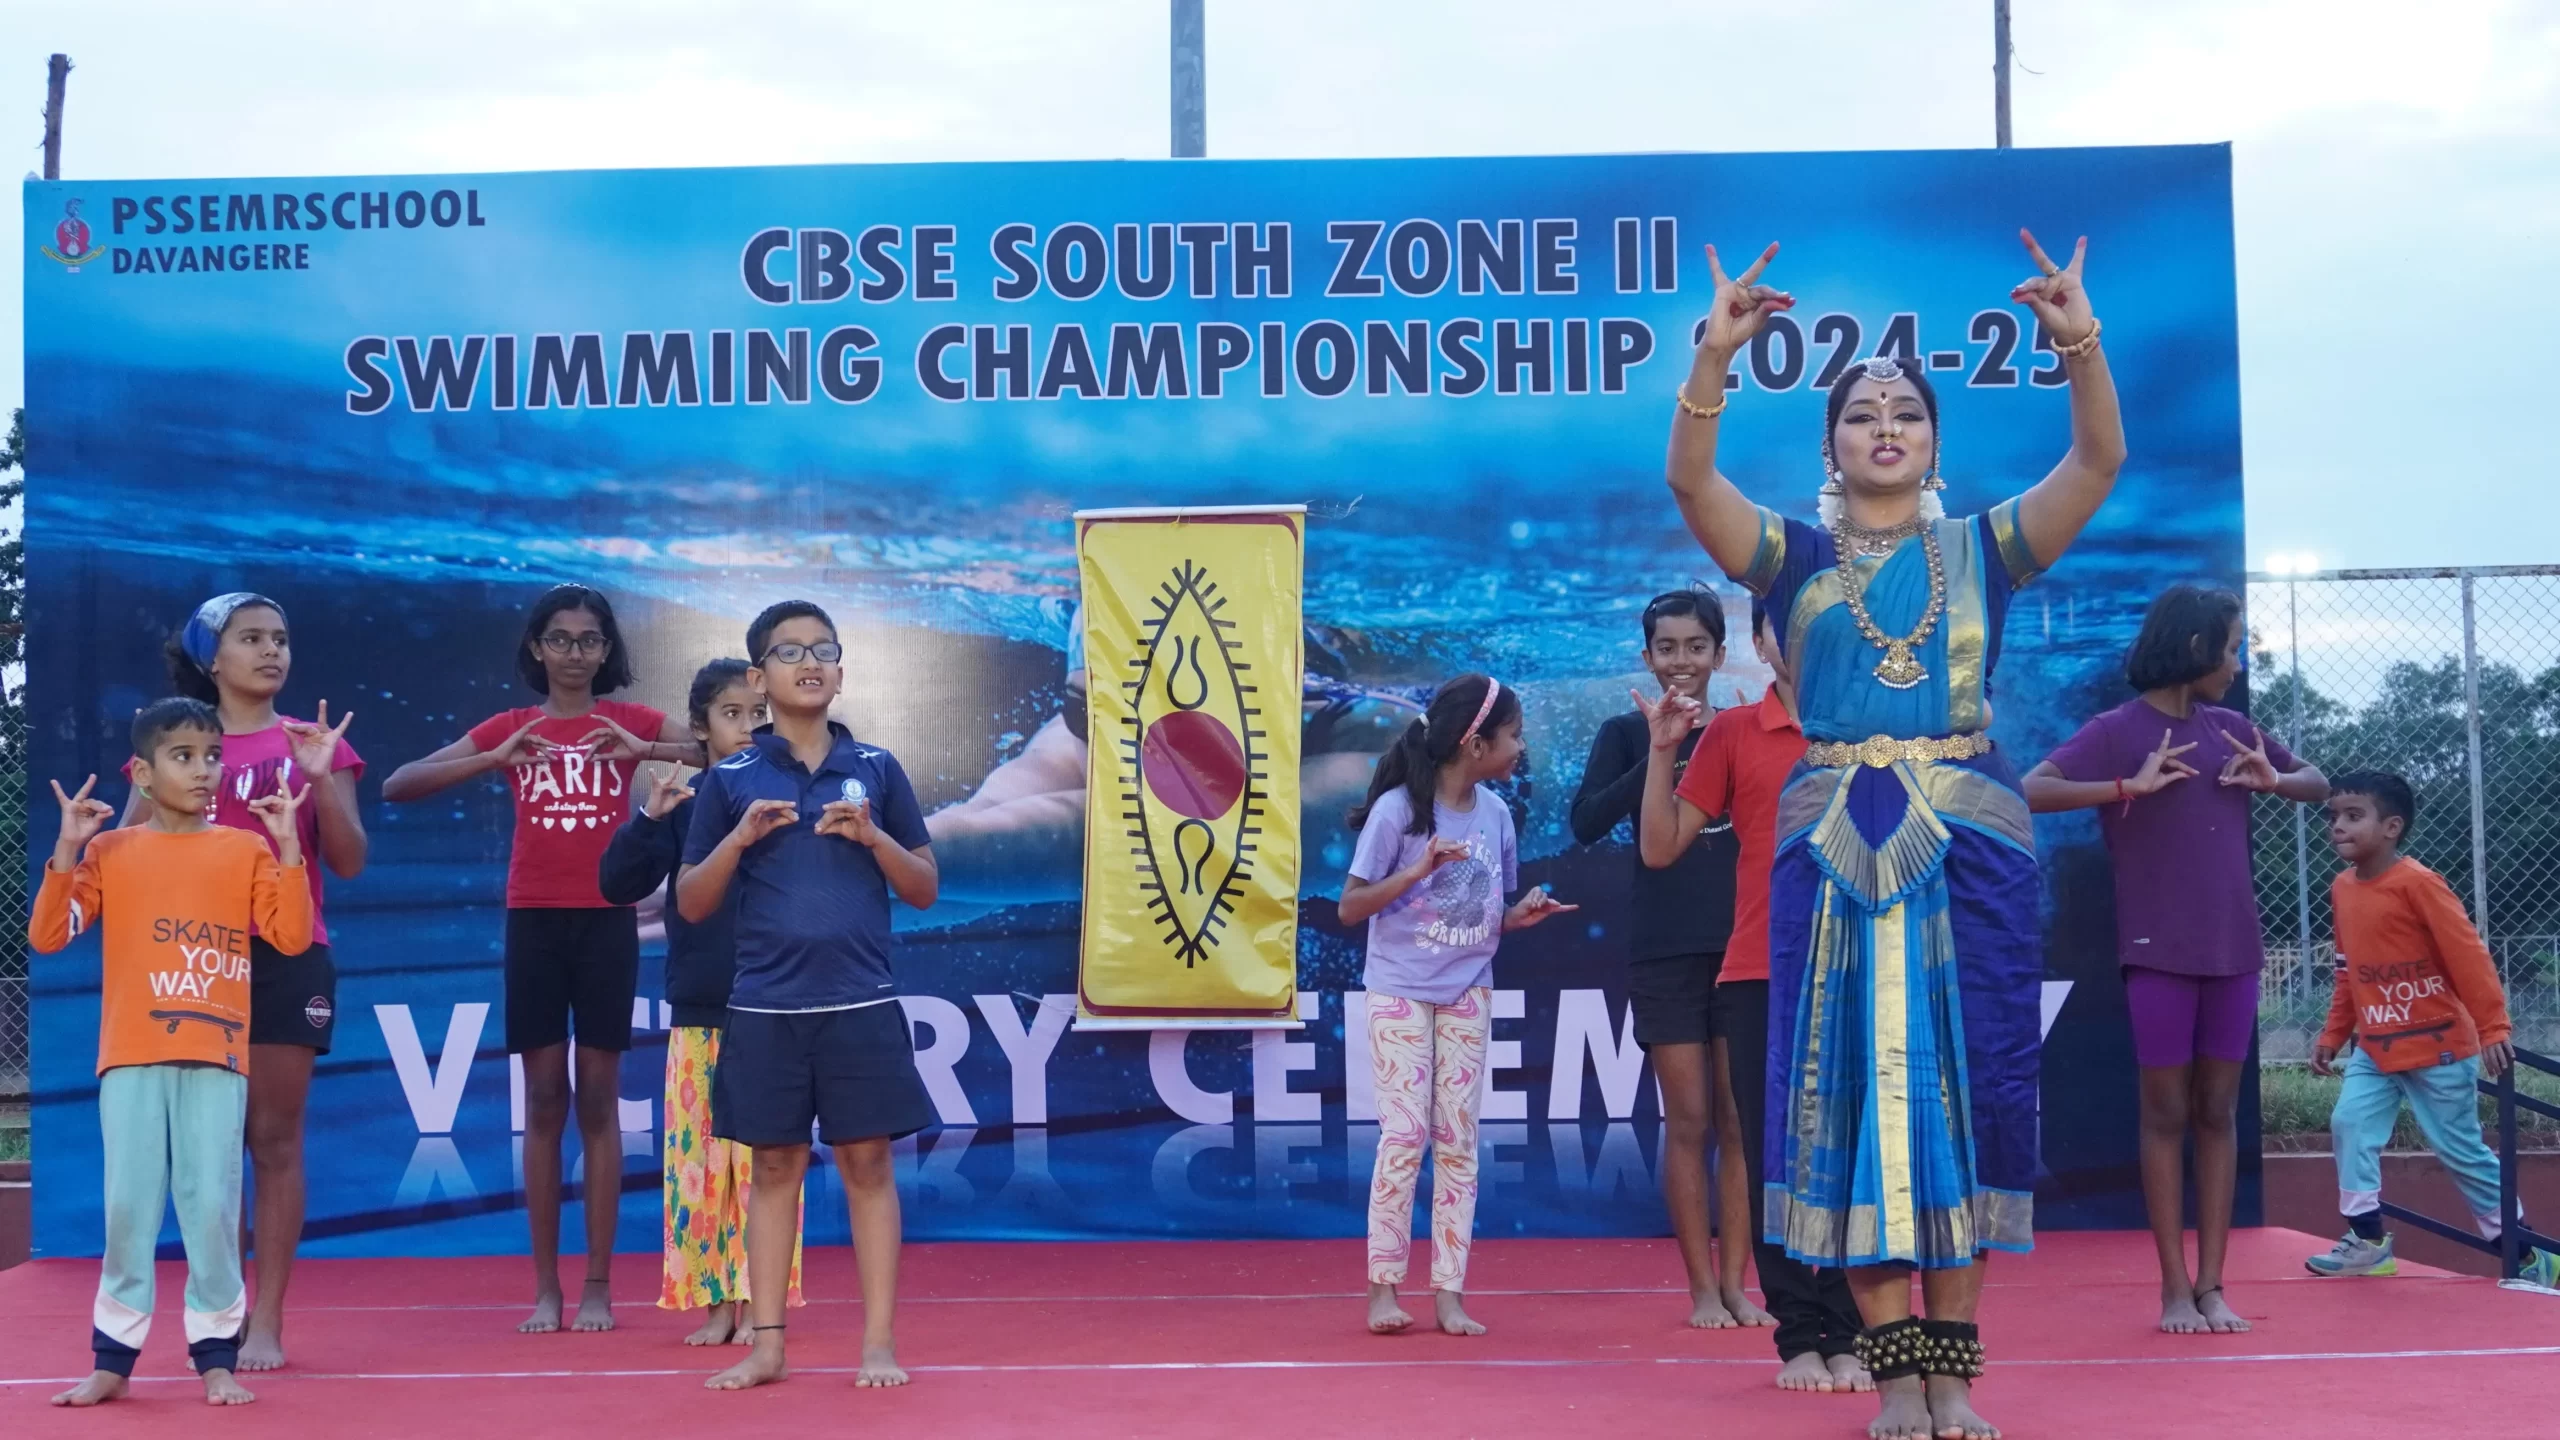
2420,997
176,899
569,955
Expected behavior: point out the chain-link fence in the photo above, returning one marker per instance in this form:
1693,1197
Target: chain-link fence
14,898
2450,678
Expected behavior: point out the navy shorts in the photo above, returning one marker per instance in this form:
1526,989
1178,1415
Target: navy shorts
571,965
853,1072
1674,997
293,999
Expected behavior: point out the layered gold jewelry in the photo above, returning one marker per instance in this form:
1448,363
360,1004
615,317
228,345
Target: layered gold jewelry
1899,669
2080,348
1702,412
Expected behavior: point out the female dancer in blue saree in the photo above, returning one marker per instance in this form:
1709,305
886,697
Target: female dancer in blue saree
1905,955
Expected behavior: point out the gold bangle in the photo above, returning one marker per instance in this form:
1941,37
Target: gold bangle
1702,412
2080,349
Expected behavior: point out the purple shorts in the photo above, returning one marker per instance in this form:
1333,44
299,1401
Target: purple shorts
2180,1018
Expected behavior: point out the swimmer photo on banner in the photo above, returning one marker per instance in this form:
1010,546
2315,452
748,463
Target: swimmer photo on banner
1192,633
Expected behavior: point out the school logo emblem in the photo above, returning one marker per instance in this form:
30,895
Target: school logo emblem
317,1010
1191,862
70,247
855,792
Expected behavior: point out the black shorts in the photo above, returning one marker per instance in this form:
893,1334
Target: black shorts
1674,997
293,999
571,963
851,1071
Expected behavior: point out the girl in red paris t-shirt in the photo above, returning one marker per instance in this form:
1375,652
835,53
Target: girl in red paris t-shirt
568,953
235,655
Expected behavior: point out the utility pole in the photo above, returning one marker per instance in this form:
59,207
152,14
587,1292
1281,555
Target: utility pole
2000,72
1190,81
56,71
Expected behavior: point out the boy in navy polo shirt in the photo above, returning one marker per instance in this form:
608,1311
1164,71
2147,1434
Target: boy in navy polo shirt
816,830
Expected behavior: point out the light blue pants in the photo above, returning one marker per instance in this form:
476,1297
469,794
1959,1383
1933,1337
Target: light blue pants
2446,1101
171,1132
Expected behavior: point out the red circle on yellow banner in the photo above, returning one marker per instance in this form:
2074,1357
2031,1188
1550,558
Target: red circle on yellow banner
1193,763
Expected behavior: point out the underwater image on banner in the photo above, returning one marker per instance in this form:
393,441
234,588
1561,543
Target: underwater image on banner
406,406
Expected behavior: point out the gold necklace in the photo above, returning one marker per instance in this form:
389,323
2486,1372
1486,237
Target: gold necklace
1899,670
1860,540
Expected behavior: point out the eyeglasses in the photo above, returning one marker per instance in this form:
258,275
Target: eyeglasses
825,652
561,642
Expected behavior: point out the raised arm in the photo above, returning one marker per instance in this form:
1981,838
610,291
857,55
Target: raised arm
1725,521
2054,511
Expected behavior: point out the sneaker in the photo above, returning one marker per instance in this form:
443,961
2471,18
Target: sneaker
2543,1269
2353,1255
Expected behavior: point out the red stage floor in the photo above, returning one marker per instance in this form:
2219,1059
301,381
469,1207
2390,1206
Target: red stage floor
1264,1339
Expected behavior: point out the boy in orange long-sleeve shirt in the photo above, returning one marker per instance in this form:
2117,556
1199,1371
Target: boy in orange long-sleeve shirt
2420,997
176,898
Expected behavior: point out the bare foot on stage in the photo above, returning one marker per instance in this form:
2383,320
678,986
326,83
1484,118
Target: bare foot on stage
260,1350
595,1307
879,1368
2216,1309
1745,1313
1806,1372
763,1366
1386,1317
719,1324
2179,1316
1849,1377
221,1389
1951,1405
1904,1414
1707,1312
545,1317
1452,1309
101,1387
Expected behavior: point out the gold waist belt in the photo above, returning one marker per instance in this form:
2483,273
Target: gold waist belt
1883,751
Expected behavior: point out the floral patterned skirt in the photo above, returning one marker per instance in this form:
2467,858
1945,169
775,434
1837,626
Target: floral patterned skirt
706,1187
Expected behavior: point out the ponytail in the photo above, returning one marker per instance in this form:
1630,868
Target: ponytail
1458,710
186,676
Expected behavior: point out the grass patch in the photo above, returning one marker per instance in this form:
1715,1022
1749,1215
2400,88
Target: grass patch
2294,1107
13,1143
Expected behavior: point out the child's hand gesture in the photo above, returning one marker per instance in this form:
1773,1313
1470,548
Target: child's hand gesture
667,790
2162,768
762,819
523,748
2249,768
82,819
315,742
2323,1055
1535,906
850,819
275,810
609,741
1669,720
1436,854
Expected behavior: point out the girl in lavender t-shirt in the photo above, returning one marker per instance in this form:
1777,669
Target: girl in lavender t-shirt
2186,914
1437,855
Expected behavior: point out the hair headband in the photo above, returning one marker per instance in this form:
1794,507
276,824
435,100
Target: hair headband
1492,691
203,633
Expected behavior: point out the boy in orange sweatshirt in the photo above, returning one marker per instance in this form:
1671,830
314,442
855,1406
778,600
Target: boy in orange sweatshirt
2420,996
176,897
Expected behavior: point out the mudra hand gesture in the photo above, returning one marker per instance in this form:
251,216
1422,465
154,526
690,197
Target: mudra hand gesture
2162,768
1669,720
2249,768
2056,295
315,742
1741,306
666,792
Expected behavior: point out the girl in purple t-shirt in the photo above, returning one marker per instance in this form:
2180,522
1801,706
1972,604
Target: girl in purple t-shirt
235,655
1437,855
2186,912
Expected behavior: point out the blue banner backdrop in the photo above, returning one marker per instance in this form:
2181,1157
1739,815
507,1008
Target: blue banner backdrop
403,406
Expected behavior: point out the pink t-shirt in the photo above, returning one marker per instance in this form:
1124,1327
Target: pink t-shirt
250,764
568,802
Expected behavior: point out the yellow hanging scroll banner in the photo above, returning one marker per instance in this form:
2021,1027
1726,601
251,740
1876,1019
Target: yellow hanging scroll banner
1192,648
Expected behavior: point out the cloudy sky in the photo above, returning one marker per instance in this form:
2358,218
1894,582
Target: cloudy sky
2395,164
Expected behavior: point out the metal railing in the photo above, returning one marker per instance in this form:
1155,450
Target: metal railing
2514,1240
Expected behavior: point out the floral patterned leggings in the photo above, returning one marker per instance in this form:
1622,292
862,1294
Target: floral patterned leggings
706,1187
1429,1063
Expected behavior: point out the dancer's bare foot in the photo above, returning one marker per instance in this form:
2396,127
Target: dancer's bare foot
221,1389
101,1387
1904,1411
546,1314
1386,1317
1745,1313
1806,1372
2179,1316
1849,1377
1452,1310
763,1366
2216,1309
595,1307
879,1367
1707,1312
719,1323
1951,1408
261,1349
